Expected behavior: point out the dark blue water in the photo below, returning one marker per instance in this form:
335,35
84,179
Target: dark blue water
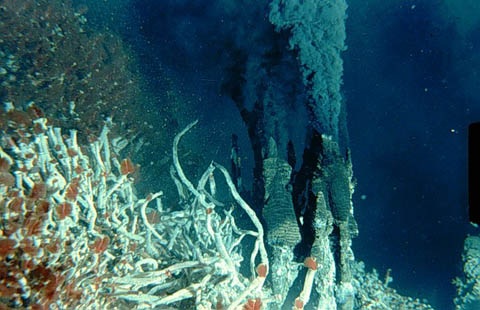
410,84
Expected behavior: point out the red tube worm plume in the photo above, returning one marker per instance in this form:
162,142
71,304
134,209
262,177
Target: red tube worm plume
126,166
6,178
71,152
20,118
71,192
53,246
28,247
219,304
64,210
298,304
78,169
51,290
33,225
42,207
16,204
35,112
253,305
262,270
7,246
4,165
310,263
39,191
153,217
100,245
